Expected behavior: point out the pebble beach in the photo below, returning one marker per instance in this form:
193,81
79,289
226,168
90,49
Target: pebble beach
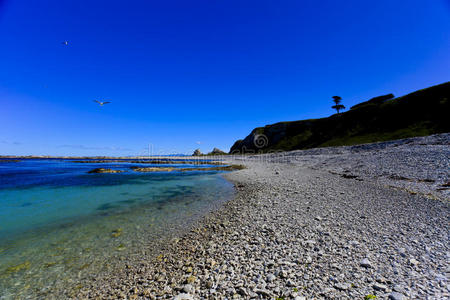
356,222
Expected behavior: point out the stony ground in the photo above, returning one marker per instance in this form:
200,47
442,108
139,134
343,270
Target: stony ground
335,223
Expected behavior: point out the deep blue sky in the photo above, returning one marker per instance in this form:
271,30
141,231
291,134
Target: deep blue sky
186,74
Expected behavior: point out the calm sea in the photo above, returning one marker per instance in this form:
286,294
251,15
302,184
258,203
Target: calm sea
60,225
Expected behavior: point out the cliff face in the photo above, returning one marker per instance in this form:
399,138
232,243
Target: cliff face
420,113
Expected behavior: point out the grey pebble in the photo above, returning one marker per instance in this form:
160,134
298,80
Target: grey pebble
183,296
396,296
365,263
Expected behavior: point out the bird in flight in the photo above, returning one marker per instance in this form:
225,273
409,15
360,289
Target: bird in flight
65,43
101,103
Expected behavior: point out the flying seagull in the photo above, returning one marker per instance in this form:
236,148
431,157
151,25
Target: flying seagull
65,43
101,103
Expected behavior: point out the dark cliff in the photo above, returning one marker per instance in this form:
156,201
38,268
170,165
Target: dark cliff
382,118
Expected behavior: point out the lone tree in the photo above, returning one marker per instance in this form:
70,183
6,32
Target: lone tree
337,101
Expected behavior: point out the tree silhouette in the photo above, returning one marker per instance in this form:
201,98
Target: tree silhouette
337,101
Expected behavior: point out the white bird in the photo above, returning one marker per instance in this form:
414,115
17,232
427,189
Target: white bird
65,43
101,103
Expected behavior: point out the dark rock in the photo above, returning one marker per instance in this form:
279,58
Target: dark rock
103,170
420,112
197,152
216,151
153,169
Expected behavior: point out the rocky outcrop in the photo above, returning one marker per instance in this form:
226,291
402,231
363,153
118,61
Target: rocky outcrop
375,101
417,114
153,169
103,170
217,151
197,152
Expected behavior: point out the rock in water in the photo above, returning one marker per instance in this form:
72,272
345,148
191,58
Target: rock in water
103,170
197,152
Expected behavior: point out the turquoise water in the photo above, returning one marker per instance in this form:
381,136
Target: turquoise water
59,224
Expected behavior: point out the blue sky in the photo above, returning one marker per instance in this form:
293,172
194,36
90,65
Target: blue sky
183,75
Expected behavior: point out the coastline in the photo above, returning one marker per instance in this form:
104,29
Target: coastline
294,230
104,229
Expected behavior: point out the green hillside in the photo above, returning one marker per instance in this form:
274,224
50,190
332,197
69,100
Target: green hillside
423,112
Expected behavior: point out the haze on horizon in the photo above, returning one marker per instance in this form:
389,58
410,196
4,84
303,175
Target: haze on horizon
184,75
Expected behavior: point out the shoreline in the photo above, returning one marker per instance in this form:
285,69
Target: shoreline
298,230
55,259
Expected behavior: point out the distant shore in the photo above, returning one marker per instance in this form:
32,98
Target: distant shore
344,223
108,157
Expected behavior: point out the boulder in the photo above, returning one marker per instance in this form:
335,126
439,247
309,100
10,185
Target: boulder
216,151
197,152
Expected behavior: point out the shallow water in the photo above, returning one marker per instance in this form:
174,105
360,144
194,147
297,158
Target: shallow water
60,225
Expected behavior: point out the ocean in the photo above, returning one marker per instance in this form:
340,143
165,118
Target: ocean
60,225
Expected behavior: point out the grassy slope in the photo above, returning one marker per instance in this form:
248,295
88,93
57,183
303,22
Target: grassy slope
420,113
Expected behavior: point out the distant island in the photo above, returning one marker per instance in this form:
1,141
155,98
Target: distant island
382,118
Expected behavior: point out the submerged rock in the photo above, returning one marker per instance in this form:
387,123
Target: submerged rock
152,169
19,267
103,170
117,232
121,247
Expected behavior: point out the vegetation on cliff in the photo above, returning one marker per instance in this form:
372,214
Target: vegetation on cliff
423,112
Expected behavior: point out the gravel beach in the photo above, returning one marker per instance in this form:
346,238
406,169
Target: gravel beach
331,223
